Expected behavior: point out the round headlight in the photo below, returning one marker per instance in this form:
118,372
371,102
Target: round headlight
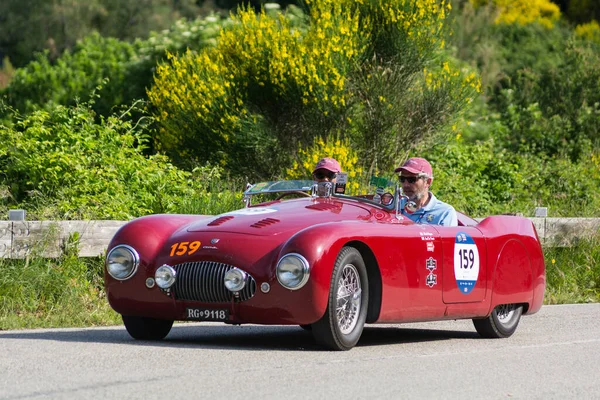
292,271
235,279
122,262
165,276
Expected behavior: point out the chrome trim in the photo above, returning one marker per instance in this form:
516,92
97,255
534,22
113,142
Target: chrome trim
204,281
244,279
306,270
173,274
136,261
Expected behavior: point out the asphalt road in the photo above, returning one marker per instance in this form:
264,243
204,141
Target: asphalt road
555,354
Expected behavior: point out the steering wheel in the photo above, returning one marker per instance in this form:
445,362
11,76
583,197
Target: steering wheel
298,192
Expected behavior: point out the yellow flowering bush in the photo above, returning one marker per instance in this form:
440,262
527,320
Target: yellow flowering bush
421,21
445,76
312,66
269,86
524,12
334,147
589,31
261,67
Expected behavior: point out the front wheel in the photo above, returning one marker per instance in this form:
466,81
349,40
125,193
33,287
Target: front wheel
501,323
143,328
341,326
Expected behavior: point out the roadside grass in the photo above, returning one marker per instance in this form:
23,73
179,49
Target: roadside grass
573,273
68,291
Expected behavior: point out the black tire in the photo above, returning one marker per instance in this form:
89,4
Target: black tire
501,323
348,293
142,328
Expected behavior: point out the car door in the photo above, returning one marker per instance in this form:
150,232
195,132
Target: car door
412,274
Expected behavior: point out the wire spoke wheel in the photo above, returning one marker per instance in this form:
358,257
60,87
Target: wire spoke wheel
342,324
505,312
348,299
501,323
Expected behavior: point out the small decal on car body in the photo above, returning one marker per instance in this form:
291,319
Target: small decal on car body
181,248
430,246
426,236
431,280
466,262
431,264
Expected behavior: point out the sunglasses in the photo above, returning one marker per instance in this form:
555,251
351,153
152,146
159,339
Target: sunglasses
325,174
409,179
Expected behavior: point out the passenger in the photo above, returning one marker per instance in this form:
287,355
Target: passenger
325,174
416,177
326,170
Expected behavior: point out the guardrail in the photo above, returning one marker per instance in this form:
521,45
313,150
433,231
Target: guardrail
49,238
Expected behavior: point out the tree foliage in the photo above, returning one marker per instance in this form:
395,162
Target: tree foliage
124,70
29,26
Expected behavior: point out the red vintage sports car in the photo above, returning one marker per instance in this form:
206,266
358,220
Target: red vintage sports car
325,261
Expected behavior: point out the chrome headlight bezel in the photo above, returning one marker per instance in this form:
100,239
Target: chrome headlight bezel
159,278
292,271
132,257
235,280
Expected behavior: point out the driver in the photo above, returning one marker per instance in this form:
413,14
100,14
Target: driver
416,177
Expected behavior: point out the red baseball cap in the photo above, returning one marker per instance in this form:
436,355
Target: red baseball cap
328,163
416,165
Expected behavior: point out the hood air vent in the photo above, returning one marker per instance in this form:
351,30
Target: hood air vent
324,207
220,220
264,222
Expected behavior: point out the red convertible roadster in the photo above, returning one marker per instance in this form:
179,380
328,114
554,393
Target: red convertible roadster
325,261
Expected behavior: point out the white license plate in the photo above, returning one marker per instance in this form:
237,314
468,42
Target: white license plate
207,314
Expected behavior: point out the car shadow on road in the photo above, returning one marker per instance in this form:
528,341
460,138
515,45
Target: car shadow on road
244,337
378,336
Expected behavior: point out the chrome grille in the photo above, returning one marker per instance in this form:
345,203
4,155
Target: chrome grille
203,281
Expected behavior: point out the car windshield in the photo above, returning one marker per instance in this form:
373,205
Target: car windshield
264,188
279,186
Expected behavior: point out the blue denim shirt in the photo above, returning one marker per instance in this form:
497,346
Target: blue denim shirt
436,212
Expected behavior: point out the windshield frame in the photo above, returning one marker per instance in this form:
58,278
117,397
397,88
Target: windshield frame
306,186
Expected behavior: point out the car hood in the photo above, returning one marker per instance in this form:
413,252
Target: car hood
279,217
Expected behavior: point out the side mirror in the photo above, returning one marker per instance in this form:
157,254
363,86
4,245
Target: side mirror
387,199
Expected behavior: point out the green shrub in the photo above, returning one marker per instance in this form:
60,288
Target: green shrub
542,121
124,70
63,164
74,76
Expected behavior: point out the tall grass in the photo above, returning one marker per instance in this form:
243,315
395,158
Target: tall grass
573,273
38,292
222,197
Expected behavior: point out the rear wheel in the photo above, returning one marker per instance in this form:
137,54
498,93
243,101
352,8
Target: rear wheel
501,323
143,328
341,326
